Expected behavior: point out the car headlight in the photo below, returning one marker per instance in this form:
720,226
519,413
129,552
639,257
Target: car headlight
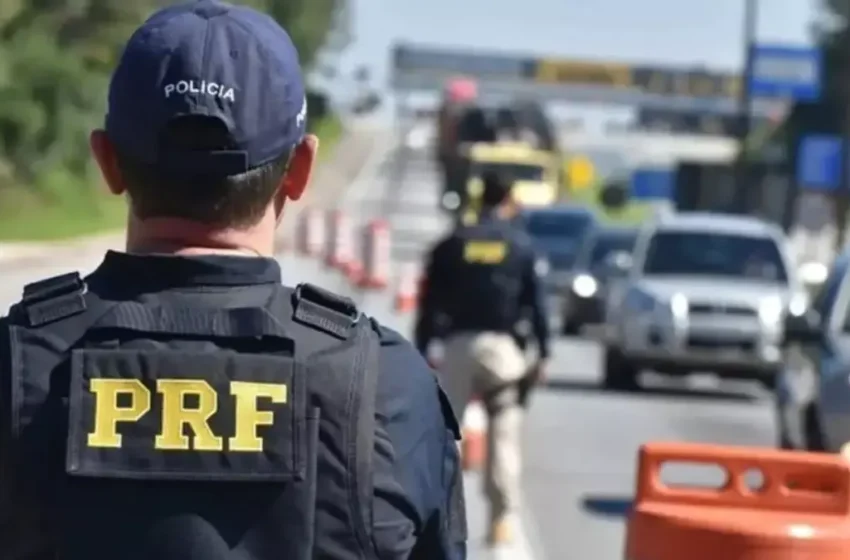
679,305
813,273
451,201
799,304
585,286
770,310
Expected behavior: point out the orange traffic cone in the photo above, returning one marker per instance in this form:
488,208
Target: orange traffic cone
407,294
473,448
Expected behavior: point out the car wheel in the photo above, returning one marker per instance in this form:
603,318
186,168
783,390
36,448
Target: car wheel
812,429
799,427
570,327
620,375
771,382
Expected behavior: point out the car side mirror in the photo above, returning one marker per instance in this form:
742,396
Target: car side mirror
618,262
804,329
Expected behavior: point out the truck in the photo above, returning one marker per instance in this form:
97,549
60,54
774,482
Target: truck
464,118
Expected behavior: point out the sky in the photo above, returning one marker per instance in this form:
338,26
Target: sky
706,33
699,32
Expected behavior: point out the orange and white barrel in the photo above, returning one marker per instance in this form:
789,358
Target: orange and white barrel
376,255
339,252
311,233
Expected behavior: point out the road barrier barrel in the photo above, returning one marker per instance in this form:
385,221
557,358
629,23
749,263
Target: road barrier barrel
801,510
377,255
311,233
407,290
340,242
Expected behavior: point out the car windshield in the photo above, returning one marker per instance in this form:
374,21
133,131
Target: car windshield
558,235
604,244
557,224
516,171
714,254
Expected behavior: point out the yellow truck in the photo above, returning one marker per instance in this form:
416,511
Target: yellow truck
537,174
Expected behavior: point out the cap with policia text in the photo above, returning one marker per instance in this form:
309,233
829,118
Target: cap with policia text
208,58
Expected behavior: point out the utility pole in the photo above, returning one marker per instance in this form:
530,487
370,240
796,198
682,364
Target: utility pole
749,31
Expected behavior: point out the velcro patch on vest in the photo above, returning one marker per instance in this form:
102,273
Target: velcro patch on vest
174,415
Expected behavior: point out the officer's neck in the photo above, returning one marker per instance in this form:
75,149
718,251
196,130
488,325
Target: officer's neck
184,237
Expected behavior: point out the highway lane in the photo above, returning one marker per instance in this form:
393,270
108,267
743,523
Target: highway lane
580,444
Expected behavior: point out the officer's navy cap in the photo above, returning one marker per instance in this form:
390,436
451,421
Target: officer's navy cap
211,59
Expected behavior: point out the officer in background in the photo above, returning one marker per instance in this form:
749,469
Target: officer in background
180,403
479,281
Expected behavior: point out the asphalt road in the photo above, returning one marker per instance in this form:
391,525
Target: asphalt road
580,443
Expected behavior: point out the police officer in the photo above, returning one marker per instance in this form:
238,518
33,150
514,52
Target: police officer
479,281
180,402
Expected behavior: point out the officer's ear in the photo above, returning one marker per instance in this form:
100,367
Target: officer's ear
104,154
300,168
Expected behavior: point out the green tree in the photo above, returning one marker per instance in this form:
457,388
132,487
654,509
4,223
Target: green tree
826,115
55,61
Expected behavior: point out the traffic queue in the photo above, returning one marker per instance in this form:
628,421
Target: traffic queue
678,294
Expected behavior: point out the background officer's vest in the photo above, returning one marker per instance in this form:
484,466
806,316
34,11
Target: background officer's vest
196,433
486,262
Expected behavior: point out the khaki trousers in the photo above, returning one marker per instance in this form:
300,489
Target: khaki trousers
488,365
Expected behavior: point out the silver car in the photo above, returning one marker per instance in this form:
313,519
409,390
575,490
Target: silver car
705,293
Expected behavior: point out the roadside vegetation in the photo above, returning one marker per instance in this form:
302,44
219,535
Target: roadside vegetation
55,62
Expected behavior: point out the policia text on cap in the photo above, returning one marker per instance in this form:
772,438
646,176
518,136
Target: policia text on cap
180,402
479,282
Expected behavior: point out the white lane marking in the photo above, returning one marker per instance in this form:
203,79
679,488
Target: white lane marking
521,548
531,541
476,507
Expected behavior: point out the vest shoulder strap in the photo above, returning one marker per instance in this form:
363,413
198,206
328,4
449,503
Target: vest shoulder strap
53,299
61,306
326,311
314,308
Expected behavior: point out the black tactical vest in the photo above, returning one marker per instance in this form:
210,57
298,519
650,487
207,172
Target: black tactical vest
158,432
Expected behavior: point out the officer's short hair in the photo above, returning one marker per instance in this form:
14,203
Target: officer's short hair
217,200
202,124
497,188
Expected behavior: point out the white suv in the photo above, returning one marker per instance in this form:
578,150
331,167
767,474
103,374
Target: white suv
705,293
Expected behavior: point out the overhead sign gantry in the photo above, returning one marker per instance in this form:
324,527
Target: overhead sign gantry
419,68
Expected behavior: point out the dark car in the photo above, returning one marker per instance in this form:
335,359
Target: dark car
813,392
558,233
584,295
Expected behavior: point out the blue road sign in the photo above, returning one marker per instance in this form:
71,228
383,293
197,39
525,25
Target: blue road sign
653,184
819,162
782,72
